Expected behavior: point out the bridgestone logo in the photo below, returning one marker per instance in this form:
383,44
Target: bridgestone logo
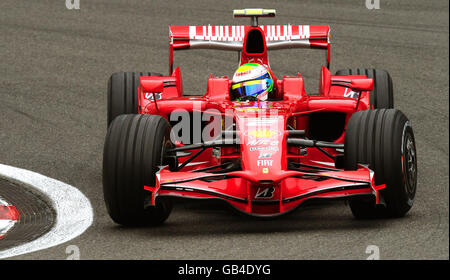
265,193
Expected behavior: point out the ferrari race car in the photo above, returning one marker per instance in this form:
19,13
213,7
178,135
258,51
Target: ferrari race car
264,156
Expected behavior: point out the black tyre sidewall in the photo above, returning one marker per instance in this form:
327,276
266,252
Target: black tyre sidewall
132,153
122,95
376,138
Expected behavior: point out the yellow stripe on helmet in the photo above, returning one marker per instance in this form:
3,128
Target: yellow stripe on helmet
247,83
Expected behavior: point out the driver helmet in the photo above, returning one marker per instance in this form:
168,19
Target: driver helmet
251,82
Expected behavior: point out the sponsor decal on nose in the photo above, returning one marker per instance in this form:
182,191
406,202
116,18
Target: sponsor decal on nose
262,142
262,133
265,192
264,155
264,162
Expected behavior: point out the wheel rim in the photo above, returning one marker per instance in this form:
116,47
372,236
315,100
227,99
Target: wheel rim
410,164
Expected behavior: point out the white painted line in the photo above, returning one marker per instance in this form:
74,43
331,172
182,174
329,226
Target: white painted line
74,213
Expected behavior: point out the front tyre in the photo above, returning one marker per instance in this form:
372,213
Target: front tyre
384,140
134,148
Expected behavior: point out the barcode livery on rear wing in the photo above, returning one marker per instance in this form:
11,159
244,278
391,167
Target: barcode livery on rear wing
232,37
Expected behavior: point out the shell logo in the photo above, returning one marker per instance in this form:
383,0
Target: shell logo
262,133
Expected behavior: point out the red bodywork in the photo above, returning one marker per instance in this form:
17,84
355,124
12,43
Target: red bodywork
264,185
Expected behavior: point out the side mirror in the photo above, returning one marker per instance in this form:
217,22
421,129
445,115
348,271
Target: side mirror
151,85
361,84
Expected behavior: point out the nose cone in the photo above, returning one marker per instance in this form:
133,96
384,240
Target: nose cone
263,145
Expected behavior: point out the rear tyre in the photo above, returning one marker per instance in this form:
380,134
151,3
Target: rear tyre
382,95
384,140
134,148
123,93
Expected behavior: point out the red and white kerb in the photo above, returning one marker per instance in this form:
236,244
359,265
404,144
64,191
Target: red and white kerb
8,217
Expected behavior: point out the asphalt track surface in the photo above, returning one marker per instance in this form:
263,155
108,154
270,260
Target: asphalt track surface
55,64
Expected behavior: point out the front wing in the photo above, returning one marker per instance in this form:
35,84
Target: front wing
258,198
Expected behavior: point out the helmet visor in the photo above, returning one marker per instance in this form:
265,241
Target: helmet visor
250,88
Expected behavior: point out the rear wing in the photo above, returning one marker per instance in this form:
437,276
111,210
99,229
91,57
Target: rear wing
232,37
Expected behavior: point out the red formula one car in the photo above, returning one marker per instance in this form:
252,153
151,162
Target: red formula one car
265,157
